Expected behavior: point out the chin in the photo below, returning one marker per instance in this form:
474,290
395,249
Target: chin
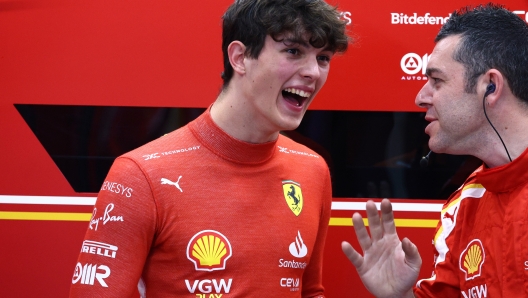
290,125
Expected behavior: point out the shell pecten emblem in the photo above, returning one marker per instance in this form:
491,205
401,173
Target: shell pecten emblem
293,196
472,259
209,250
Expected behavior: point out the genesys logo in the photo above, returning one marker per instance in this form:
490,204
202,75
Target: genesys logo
291,283
117,188
416,19
99,248
414,67
90,273
209,288
209,250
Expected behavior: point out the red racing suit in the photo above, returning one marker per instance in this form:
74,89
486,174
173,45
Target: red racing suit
197,213
481,241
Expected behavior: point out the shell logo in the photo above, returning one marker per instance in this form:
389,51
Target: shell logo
209,250
472,259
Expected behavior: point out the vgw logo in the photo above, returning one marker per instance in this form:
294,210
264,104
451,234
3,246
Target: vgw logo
207,286
414,67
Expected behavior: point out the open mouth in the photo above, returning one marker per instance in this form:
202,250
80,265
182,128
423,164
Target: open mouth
295,96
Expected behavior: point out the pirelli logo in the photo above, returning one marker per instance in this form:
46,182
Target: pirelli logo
99,248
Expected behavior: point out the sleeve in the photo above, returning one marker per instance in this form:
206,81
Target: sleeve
119,235
312,285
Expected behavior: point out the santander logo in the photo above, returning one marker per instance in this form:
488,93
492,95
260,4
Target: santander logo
298,249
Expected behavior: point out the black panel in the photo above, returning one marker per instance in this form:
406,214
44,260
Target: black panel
370,154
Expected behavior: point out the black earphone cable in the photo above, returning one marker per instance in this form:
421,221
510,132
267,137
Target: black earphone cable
485,114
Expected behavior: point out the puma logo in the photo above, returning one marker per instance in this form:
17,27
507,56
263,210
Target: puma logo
167,181
451,216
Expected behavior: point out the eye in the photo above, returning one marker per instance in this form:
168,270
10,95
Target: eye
293,51
433,80
324,58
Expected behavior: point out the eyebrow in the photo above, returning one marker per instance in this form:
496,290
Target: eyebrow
430,71
302,42
290,41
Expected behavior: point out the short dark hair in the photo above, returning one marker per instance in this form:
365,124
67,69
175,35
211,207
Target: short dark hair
491,37
250,21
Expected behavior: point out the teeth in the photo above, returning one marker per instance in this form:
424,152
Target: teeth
298,92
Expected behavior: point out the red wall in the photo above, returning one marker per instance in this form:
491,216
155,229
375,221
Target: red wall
167,54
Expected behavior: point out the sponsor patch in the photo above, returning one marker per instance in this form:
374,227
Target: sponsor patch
209,250
291,283
99,248
472,259
293,196
107,217
175,184
90,273
297,248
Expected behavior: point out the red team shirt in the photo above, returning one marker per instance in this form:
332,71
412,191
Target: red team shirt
481,242
197,213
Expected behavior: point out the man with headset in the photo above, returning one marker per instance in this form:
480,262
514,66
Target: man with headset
476,98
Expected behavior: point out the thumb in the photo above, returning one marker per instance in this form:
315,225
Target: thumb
412,256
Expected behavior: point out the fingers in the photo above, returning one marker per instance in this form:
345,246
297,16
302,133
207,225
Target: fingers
355,258
387,217
361,232
412,256
376,230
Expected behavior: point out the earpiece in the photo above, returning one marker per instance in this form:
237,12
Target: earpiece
490,89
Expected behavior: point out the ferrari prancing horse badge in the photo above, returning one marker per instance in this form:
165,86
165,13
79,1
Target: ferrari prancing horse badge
293,195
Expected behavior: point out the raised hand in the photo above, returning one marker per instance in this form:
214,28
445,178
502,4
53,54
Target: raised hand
389,267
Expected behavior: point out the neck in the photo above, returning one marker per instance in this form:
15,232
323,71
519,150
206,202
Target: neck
232,113
511,125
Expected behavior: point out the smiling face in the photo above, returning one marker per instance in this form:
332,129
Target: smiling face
282,82
457,119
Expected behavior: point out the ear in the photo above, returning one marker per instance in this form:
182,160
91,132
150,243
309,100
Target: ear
494,76
236,52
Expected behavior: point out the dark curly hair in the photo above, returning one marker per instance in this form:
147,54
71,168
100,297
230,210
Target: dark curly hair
250,21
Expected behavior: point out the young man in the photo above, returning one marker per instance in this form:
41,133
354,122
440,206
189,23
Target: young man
242,211
477,102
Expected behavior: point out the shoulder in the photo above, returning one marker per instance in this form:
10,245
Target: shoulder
466,195
293,148
171,144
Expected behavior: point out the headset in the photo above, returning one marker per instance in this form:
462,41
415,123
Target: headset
490,89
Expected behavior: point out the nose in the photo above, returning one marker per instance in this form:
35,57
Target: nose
424,96
311,68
